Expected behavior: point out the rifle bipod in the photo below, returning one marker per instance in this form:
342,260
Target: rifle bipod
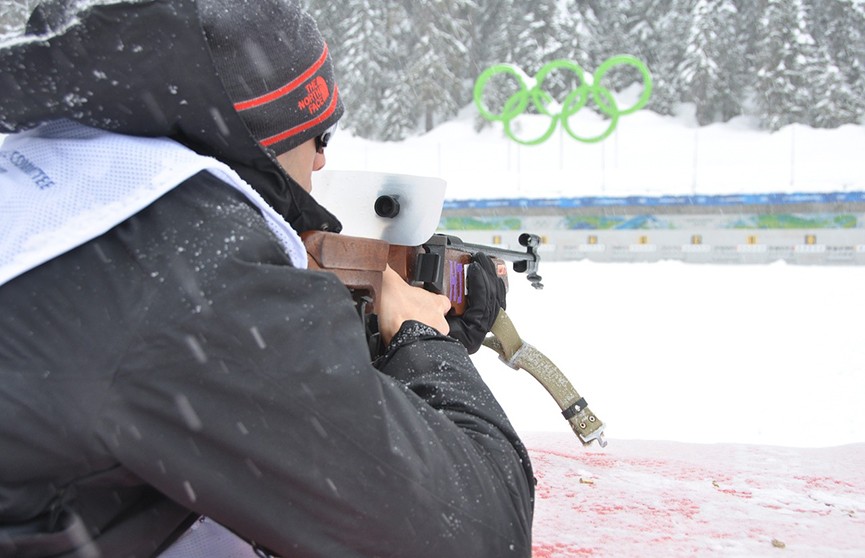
517,354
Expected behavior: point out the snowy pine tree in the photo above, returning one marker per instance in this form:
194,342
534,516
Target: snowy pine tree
368,41
839,28
657,34
406,65
710,71
492,34
785,65
612,30
439,60
492,40
578,24
536,34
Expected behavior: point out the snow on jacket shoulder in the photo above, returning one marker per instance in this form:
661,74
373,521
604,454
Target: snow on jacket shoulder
180,357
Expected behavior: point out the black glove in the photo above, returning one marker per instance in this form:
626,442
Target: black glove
485,296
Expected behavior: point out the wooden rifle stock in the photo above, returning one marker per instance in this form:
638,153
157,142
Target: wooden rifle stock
438,265
358,262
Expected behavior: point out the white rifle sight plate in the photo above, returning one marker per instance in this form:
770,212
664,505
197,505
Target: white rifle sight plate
352,197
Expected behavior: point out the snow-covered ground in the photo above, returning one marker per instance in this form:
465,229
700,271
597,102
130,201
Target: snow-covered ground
732,394
732,400
653,499
647,154
695,353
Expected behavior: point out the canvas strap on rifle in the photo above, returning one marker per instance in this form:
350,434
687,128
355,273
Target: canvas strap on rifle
517,354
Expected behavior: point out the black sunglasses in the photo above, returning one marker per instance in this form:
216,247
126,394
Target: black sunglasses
323,139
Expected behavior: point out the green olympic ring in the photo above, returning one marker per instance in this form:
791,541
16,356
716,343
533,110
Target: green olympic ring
575,100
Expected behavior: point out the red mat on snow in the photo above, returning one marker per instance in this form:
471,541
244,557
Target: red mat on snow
667,499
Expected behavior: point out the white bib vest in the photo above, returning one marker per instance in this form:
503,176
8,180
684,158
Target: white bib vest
63,184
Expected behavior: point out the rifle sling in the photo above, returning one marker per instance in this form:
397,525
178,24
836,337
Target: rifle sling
520,355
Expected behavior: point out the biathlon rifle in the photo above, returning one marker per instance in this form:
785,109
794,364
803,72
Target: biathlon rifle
438,265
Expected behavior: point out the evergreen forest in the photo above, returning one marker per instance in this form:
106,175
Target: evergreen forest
404,66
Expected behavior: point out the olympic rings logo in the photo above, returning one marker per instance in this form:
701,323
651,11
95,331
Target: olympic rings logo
575,100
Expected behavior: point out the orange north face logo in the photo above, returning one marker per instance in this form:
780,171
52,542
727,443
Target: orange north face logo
317,94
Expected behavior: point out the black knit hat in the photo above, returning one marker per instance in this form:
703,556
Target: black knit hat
275,67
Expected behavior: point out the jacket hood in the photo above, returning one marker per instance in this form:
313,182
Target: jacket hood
142,68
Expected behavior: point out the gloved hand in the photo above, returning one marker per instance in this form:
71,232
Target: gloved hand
485,295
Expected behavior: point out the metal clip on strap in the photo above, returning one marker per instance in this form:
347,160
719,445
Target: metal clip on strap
517,354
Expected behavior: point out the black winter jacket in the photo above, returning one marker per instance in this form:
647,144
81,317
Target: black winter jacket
180,356
179,365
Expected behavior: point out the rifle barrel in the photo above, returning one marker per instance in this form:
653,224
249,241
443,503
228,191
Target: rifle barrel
524,262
